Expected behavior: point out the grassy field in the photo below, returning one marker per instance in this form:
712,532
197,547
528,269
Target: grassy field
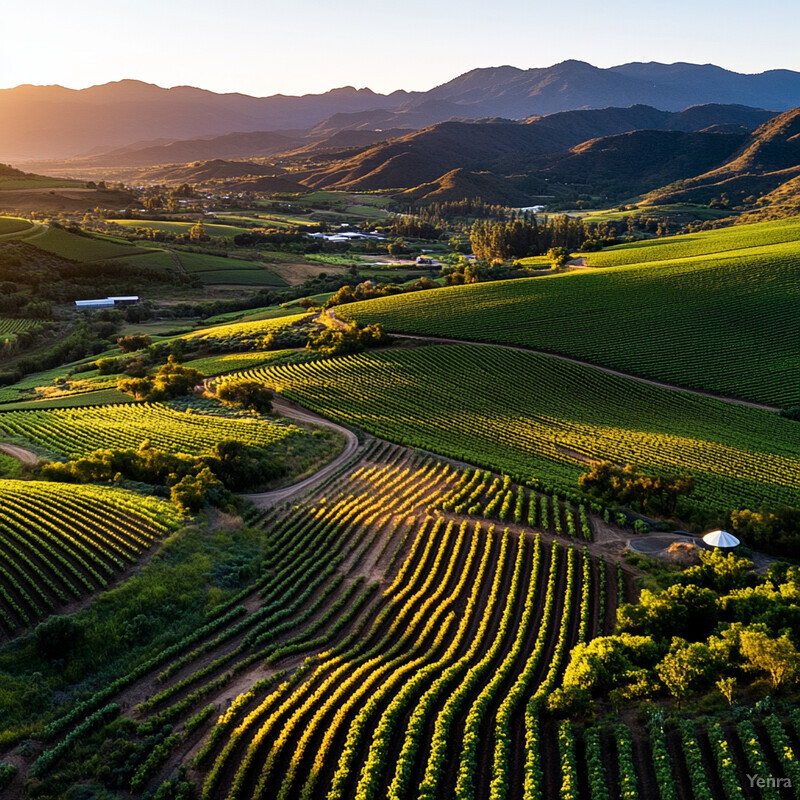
216,269
725,322
213,230
10,182
688,211
272,220
9,225
82,248
155,259
529,415
254,315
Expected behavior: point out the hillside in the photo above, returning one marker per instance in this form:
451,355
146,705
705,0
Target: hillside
767,160
231,145
460,183
12,180
630,163
721,291
219,171
545,156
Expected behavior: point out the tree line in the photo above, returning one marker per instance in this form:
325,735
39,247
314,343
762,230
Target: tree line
526,236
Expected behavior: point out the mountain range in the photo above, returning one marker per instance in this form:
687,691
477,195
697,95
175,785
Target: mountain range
52,122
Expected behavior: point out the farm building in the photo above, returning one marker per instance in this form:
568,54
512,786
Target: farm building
107,302
90,304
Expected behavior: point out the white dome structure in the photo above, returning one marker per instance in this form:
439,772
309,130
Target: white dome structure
720,539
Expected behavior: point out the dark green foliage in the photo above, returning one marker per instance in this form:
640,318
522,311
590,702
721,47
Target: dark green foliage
348,339
7,774
246,394
193,492
57,636
130,344
558,257
170,381
775,531
234,465
526,236
687,611
653,494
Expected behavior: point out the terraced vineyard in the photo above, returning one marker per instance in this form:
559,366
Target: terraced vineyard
59,543
9,327
724,322
428,635
68,432
536,417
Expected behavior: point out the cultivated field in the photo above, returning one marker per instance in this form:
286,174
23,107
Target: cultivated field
538,418
9,327
707,321
60,543
430,633
73,432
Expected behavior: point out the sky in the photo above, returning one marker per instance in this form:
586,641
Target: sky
264,47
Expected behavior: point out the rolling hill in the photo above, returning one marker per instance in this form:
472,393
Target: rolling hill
221,171
767,163
616,152
717,293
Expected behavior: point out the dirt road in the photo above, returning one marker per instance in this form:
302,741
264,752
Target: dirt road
22,455
265,499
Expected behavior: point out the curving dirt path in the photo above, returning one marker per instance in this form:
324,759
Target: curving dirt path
26,457
673,387
265,499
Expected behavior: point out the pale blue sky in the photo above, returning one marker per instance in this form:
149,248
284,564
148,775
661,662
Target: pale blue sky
264,47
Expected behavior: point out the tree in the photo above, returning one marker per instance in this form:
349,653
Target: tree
246,394
170,381
193,492
654,494
57,636
720,571
726,688
397,248
197,233
130,344
777,657
683,666
558,257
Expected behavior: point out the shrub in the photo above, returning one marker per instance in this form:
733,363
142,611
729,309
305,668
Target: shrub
130,344
246,394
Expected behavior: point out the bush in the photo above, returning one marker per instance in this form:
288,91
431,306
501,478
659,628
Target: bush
653,494
170,381
194,492
246,394
130,344
56,637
